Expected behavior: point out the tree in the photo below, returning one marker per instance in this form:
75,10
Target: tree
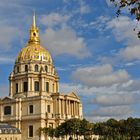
85,128
123,129
49,131
132,5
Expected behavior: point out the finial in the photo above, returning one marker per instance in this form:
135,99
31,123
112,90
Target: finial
34,32
34,20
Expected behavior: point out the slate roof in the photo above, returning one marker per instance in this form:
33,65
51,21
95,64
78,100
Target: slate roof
8,129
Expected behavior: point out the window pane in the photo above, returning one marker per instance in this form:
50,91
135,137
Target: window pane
46,68
30,131
26,67
47,86
7,110
16,87
31,110
36,86
36,68
49,109
25,87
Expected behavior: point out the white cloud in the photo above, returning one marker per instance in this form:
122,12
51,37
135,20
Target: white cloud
65,41
122,29
8,34
6,60
115,111
54,19
131,53
84,8
100,76
3,91
115,99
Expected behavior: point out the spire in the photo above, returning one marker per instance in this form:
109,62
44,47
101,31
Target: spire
34,20
34,32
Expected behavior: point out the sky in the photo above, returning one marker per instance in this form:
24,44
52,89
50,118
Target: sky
96,54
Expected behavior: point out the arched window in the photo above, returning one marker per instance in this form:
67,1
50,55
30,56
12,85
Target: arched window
46,68
36,86
26,68
36,68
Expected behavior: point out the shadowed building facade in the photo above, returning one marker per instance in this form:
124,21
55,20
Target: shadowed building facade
34,100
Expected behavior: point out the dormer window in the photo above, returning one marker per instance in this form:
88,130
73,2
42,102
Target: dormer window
26,68
36,68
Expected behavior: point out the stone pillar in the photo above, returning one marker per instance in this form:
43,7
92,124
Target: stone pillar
21,86
69,108
1,112
59,101
11,88
78,109
29,84
42,86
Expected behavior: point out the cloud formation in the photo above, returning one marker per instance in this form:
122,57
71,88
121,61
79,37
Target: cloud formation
65,41
122,29
117,111
53,19
115,99
100,76
8,34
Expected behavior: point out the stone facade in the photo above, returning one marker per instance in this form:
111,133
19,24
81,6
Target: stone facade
8,132
34,100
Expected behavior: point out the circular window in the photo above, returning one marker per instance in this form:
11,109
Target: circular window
34,34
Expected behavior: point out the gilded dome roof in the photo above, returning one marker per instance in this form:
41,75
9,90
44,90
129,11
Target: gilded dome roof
33,50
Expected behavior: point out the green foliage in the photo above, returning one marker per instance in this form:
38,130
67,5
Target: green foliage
123,129
109,130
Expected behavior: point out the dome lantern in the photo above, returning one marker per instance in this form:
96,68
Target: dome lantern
33,50
34,33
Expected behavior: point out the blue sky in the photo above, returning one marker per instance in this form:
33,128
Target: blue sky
96,54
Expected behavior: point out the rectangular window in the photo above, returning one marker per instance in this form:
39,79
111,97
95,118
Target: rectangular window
47,86
7,110
25,86
26,68
30,131
49,109
31,109
16,87
36,86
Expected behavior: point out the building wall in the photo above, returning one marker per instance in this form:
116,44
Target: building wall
62,107
10,136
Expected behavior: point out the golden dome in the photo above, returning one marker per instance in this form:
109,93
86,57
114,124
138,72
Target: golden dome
33,50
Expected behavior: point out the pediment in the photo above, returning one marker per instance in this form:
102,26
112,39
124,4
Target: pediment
6,99
72,94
